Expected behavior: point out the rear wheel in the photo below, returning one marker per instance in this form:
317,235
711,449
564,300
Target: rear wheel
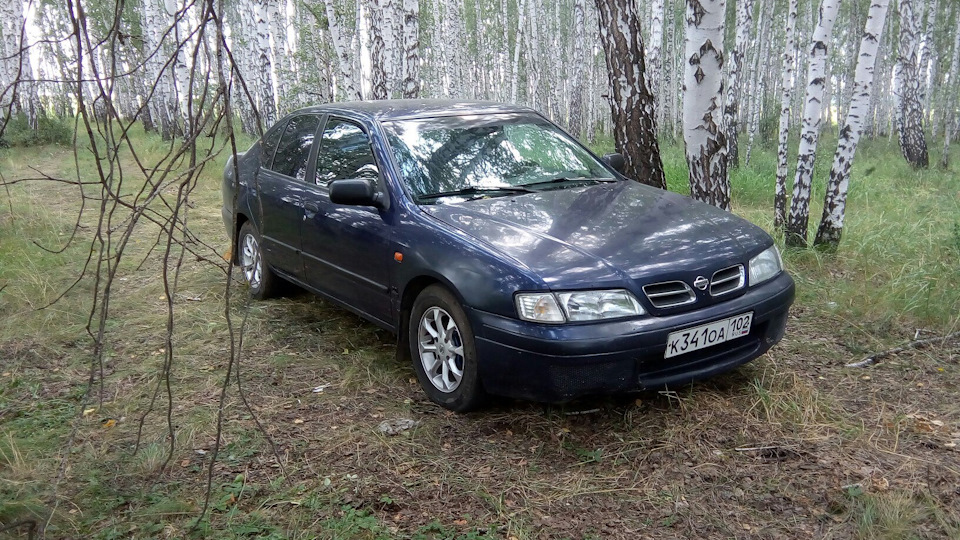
443,351
256,272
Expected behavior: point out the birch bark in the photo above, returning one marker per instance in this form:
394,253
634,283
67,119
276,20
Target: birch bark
703,130
344,52
731,109
533,56
950,100
411,48
631,103
517,44
796,230
655,50
835,202
759,82
910,134
786,96
17,88
579,61
378,52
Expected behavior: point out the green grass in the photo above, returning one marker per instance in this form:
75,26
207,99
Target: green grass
670,464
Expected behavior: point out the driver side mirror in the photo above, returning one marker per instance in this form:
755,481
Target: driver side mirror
356,192
616,161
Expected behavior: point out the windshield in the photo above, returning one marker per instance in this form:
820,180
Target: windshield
467,157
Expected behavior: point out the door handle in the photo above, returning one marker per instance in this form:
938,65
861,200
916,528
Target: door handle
311,207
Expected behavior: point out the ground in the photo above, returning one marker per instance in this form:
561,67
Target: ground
792,445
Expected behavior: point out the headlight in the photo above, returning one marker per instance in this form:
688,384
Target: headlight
765,266
578,306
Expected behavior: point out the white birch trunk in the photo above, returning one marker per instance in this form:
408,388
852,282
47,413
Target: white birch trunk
731,109
411,48
655,50
344,52
835,202
786,96
264,81
759,81
950,100
160,89
453,36
579,62
503,53
796,230
180,73
379,67
518,43
927,59
17,86
703,130
533,56
910,134
280,50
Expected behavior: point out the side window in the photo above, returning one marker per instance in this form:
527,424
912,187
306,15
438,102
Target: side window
344,153
294,149
268,146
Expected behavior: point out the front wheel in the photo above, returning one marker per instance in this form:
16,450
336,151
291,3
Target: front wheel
255,270
443,351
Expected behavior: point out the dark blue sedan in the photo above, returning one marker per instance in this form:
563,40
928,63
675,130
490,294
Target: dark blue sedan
507,258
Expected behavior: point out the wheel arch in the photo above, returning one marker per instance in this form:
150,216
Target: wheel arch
241,219
408,296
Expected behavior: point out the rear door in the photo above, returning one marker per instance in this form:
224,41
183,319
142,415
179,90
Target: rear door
347,250
282,179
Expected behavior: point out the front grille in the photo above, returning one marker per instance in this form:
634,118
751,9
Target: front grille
669,294
727,280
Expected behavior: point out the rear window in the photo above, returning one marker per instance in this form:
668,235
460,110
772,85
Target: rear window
293,152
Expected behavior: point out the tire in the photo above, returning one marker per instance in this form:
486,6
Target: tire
443,350
256,272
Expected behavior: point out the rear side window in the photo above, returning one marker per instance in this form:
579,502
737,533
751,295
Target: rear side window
344,153
294,149
268,146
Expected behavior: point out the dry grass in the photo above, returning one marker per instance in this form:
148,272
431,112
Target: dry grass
793,445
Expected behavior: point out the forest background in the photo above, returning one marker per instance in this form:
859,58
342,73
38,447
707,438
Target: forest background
124,411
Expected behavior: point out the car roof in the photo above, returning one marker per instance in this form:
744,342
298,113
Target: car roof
395,109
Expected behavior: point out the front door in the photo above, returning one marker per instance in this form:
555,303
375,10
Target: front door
347,250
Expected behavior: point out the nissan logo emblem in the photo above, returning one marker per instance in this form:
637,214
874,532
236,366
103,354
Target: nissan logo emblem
701,283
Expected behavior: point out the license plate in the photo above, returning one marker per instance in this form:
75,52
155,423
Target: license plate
708,335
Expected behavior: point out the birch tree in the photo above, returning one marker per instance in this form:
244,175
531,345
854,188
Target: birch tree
655,50
344,52
732,105
703,130
835,202
796,230
631,103
264,78
411,48
950,100
786,96
379,65
579,59
17,92
908,93
515,66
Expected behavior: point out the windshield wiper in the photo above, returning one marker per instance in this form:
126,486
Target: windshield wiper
475,190
565,179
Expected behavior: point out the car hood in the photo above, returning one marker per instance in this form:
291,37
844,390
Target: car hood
605,234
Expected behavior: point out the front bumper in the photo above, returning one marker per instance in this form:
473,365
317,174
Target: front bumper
558,363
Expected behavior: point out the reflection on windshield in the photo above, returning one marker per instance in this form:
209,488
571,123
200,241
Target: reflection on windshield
440,155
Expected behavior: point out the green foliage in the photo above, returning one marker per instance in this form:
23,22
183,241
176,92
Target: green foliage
50,130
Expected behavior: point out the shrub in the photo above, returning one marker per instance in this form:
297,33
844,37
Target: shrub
50,130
